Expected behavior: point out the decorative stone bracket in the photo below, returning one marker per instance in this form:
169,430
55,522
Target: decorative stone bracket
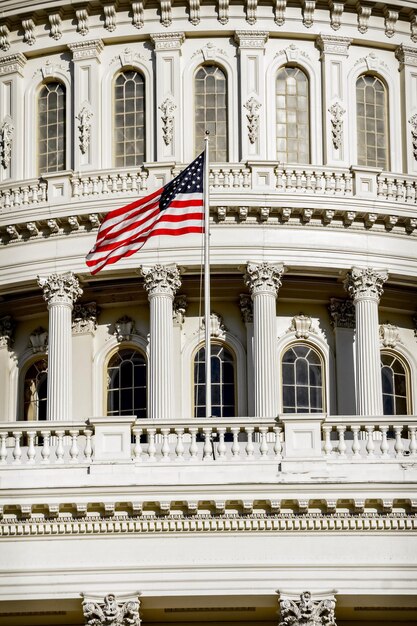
304,611
111,611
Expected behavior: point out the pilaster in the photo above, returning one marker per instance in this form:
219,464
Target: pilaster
264,281
161,282
11,116
87,103
60,291
7,326
334,52
168,95
365,286
178,316
84,324
342,319
246,309
407,58
251,47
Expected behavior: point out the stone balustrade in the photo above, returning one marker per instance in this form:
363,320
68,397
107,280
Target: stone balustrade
313,180
104,183
397,188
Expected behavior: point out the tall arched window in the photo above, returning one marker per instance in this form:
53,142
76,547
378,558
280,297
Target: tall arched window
223,400
51,128
302,380
395,384
129,119
211,111
126,383
292,122
35,391
372,122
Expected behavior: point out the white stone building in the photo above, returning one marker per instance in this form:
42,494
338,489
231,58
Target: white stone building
111,480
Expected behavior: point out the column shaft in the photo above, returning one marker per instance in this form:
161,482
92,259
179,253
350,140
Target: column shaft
368,359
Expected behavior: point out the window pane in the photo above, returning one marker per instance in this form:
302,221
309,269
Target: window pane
126,383
372,122
302,393
394,385
129,119
223,382
292,116
51,124
210,104
35,391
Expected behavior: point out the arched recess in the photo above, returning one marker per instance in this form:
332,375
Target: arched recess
374,67
408,359
295,58
119,65
55,74
24,364
319,345
188,352
100,361
216,57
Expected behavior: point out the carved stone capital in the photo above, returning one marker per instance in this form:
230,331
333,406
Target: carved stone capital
111,611
86,49
306,611
7,327
246,308
251,39
84,317
365,283
161,280
342,313
263,278
167,41
331,44
406,55
60,288
179,309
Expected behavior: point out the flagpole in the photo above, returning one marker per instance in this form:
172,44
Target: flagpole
207,322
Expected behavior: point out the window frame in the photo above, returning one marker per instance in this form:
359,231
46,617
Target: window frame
124,345
378,77
226,346
115,76
408,380
324,376
23,369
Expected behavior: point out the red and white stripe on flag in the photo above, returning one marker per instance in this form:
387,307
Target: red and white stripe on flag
125,230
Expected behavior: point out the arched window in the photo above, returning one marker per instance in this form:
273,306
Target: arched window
395,384
223,400
126,383
372,122
51,128
35,391
211,111
292,122
302,380
129,119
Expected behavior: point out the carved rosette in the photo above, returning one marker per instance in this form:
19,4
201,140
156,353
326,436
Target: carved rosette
84,318
161,280
7,327
6,140
60,288
365,283
179,309
111,611
246,308
307,612
252,106
336,118
84,127
342,313
263,278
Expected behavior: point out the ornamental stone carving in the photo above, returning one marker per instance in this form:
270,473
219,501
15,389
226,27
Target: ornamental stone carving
83,50
252,106
263,278
161,280
84,317
336,118
279,9
389,335
251,7
166,12
364,13
84,127
138,14
109,11
4,37
6,140
217,327
365,283
413,123
111,611
28,26
336,11
342,313
223,11
82,21
55,22
246,308
38,340
167,109
308,7
179,309
60,288
124,328
391,18
306,611
194,12
301,326
7,326
415,325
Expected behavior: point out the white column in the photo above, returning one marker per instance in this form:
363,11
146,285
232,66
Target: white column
60,292
365,286
264,280
161,282
342,318
6,339
407,58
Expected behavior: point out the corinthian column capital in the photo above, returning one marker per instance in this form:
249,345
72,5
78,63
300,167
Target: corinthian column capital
307,609
161,280
60,288
264,278
365,283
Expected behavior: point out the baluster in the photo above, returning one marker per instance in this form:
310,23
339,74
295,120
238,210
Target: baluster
309,185
165,449
3,448
134,182
348,183
207,449
31,452
298,176
236,177
408,191
46,449
221,448
17,451
43,188
216,178
380,186
235,444
6,196
25,195
114,180
124,182
144,180
59,452
152,446
137,449
74,451
88,450
384,442
249,446
277,443
341,448
75,183
327,182
337,182
193,443
356,446
390,188
327,446
179,448
263,449
95,185
400,191
399,446
246,178
85,182
104,184
413,440
279,180
370,447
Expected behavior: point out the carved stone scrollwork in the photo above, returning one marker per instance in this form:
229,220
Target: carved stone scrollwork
111,612
223,11
279,9
337,112
82,21
161,280
4,37
251,7
413,123
124,328
179,309
6,140
167,109
217,327
60,288
301,326
389,335
364,13
342,313
38,340
7,327
252,106
413,27
336,11
308,12
263,278
365,283
391,18
194,12
55,22
138,14
84,318
246,308
166,12
109,17
307,612
28,26
84,127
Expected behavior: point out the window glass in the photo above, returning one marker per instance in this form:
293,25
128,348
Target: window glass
222,382
126,383
51,128
394,385
372,123
129,119
292,116
211,111
35,391
302,380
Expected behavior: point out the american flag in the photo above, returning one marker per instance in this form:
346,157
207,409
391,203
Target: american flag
175,209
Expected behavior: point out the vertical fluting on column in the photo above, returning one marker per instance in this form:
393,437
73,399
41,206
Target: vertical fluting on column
264,281
365,286
60,292
161,282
